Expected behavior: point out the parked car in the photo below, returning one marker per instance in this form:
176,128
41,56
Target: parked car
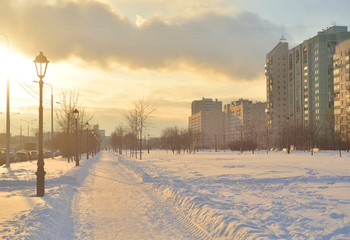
29,155
2,156
21,157
47,154
57,153
33,155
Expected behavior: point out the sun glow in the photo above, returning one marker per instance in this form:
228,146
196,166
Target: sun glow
20,72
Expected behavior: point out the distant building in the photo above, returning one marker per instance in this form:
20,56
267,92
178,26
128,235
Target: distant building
245,119
277,92
207,124
102,134
206,105
300,89
341,75
211,127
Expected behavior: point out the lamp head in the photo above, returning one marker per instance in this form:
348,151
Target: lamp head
76,113
41,65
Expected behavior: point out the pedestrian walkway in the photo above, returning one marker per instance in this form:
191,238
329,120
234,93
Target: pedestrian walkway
113,204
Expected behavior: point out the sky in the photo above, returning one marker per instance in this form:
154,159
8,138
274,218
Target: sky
113,52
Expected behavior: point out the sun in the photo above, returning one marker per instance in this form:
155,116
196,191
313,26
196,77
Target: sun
20,71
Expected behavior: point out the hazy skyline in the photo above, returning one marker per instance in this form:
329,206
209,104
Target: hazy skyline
114,52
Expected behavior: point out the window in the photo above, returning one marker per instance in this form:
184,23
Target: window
297,57
304,55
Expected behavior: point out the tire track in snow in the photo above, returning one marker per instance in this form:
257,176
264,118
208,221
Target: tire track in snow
196,231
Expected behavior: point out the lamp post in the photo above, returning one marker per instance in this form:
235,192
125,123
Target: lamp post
241,138
53,154
87,139
288,149
28,122
93,141
268,112
76,115
148,143
41,63
8,129
216,146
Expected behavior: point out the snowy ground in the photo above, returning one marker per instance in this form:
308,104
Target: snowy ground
206,195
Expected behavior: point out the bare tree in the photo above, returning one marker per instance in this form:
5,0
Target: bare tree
130,140
69,100
117,138
186,140
139,118
171,138
133,124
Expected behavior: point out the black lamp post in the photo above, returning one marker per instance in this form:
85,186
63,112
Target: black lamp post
87,139
40,66
148,143
241,138
216,145
76,115
93,146
288,149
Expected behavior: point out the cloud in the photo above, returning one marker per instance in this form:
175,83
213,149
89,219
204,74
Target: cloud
231,47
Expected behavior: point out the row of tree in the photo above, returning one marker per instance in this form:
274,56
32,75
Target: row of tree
70,128
138,118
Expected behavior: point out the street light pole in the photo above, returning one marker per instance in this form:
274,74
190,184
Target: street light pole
87,140
28,122
76,115
8,129
241,138
148,143
288,150
39,61
52,149
216,146
93,142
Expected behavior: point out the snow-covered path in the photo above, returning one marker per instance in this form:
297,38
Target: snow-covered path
113,203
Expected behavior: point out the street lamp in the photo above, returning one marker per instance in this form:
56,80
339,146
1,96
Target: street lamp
28,122
241,138
76,115
148,143
288,135
8,129
268,112
52,153
87,139
93,140
41,63
216,146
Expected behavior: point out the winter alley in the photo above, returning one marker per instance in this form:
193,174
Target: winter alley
113,204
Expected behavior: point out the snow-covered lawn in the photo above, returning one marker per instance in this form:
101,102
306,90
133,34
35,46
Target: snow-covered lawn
276,196
220,195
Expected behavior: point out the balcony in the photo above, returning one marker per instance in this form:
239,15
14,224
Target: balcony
347,86
336,72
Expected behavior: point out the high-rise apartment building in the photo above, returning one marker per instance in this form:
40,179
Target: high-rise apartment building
207,123
341,75
300,90
276,72
206,105
245,120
